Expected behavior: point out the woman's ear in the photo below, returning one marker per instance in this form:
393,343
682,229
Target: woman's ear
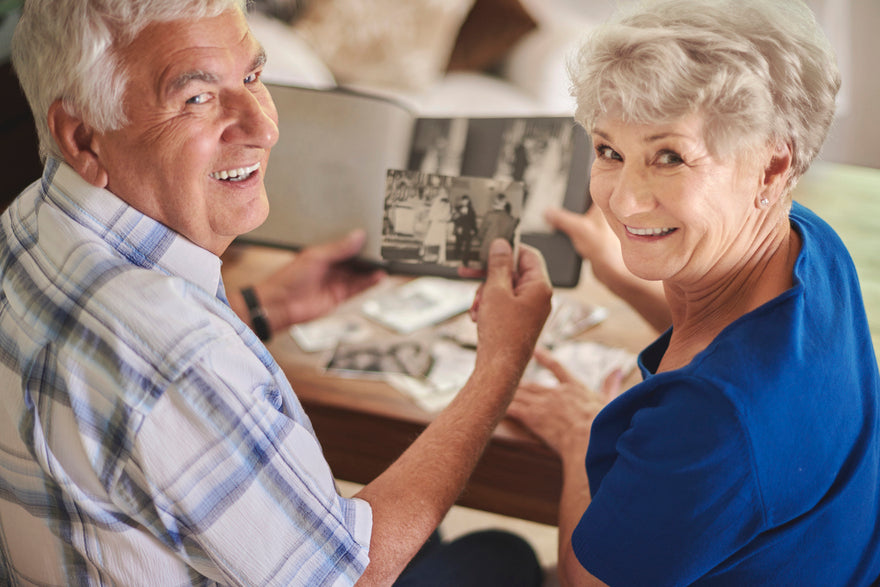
776,173
75,139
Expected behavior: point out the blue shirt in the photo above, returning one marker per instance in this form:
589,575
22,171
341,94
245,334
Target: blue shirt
759,462
146,436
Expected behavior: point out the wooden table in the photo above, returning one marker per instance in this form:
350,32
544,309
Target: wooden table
364,425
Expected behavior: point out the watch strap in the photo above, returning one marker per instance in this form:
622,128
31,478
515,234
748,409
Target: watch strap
257,315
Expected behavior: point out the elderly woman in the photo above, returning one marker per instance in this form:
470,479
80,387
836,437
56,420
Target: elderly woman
750,452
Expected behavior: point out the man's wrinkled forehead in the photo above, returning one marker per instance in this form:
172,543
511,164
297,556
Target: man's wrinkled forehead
176,54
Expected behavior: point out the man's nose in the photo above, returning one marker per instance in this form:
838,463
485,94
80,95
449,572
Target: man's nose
253,119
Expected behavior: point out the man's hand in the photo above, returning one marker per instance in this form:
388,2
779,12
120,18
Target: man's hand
316,281
413,495
511,306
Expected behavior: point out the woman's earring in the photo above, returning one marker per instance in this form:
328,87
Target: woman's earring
764,202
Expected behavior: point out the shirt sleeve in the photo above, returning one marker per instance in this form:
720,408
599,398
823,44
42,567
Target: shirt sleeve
240,490
680,495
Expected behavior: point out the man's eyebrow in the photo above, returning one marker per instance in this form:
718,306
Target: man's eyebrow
195,75
259,60
198,75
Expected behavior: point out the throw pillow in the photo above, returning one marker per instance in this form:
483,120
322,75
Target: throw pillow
491,29
404,44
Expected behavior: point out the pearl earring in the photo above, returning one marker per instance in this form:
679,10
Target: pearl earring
764,202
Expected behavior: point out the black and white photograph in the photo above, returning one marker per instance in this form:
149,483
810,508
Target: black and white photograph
438,146
534,150
407,356
448,221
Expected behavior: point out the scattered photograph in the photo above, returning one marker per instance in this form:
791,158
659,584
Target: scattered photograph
424,301
448,221
451,369
407,356
325,333
590,362
568,318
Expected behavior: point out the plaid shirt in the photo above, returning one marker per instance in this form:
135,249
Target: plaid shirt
146,436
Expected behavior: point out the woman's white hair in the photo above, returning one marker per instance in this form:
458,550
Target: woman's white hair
761,71
69,50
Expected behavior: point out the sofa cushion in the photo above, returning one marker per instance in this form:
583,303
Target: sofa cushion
490,30
394,43
291,60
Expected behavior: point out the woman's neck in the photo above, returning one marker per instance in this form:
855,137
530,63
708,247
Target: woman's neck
700,312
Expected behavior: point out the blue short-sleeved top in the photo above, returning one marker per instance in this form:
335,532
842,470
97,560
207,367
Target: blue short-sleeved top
759,462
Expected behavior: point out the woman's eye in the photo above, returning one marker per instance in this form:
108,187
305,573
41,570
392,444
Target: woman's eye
669,158
606,152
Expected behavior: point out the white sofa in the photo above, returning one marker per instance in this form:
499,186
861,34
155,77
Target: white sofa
531,79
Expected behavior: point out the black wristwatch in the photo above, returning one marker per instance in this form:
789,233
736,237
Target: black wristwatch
258,316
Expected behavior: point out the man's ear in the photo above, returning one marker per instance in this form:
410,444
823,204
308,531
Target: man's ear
776,172
75,139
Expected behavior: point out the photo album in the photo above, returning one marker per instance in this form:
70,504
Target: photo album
431,193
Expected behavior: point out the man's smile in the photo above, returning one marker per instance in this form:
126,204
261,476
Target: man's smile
238,174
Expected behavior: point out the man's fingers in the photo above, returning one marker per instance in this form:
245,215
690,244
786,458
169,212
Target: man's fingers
475,306
341,249
531,265
500,264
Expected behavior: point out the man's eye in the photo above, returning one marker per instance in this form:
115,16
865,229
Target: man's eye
199,99
252,78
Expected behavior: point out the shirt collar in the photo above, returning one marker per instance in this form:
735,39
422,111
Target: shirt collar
140,239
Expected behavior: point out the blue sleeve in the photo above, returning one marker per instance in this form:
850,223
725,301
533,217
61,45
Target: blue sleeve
680,496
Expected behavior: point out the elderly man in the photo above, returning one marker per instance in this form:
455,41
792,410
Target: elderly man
146,434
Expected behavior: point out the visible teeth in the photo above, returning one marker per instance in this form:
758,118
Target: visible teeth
236,174
648,231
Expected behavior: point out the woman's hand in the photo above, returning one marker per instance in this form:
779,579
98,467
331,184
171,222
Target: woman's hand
593,239
562,415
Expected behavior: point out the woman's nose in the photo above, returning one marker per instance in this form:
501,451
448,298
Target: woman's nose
631,192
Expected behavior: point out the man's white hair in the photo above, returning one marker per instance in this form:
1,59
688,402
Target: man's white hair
70,49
